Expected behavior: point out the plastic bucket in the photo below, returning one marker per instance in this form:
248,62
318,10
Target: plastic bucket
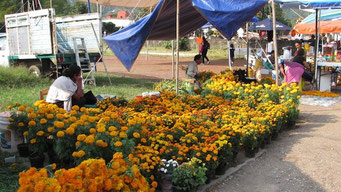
8,138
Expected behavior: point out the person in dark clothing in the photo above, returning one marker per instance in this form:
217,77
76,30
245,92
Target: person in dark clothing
232,52
206,46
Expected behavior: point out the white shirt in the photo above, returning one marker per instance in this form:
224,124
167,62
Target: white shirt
192,70
62,89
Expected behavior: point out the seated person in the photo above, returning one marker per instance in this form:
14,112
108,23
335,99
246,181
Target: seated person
192,69
67,90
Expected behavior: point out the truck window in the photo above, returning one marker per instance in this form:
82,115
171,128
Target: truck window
3,43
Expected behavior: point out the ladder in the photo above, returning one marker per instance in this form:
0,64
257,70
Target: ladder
83,60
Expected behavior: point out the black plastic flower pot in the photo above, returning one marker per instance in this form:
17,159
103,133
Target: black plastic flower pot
23,150
37,161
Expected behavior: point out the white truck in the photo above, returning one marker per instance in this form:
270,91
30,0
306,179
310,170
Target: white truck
46,44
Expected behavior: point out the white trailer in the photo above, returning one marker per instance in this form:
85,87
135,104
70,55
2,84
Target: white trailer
44,43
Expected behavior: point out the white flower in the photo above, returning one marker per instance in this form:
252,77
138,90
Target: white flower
167,165
162,169
165,171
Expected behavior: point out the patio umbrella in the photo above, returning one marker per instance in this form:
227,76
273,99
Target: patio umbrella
266,25
330,23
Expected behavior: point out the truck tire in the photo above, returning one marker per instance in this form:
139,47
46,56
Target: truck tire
34,70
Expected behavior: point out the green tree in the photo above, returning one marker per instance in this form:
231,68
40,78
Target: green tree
266,11
8,7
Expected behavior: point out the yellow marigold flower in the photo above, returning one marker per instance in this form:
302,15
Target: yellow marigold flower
60,116
81,137
136,135
143,140
113,133
123,134
54,166
10,120
60,134
89,139
75,107
49,116
118,155
32,123
50,129
81,153
112,128
32,115
101,128
25,133
92,130
118,144
73,112
33,141
40,133
77,143
43,121
21,124
198,154
72,119
70,131
58,124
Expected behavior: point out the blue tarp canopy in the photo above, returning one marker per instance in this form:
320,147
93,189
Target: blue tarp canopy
208,25
227,16
310,4
266,25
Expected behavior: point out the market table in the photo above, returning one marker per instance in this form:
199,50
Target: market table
324,77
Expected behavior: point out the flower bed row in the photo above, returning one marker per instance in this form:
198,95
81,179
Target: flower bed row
200,133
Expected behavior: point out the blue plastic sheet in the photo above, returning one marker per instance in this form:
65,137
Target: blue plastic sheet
266,25
310,4
227,16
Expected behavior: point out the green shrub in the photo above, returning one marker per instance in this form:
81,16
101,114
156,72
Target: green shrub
183,44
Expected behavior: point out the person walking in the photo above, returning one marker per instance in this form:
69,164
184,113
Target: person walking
206,46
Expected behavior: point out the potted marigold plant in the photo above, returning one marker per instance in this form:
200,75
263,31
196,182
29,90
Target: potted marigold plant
189,175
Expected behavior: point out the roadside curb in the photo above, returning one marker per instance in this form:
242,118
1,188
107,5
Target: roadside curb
229,172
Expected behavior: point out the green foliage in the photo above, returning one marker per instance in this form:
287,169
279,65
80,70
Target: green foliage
9,173
189,175
109,28
169,85
266,11
183,44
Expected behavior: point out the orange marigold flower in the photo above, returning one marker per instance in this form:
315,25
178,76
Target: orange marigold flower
25,133
40,133
136,135
32,115
90,139
154,184
43,121
21,124
33,141
118,144
60,134
92,130
50,129
49,116
81,137
32,123
54,166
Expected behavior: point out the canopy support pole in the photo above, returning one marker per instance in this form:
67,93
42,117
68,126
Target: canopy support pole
147,50
247,49
317,36
177,46
229,53
89,6
173,59
275,38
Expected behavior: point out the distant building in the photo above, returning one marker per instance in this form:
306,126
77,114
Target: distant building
122,14
118,22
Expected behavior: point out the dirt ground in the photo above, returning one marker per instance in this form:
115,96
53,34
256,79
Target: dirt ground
160,67
304,159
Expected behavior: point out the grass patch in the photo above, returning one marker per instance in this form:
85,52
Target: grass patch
17,85
9,174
